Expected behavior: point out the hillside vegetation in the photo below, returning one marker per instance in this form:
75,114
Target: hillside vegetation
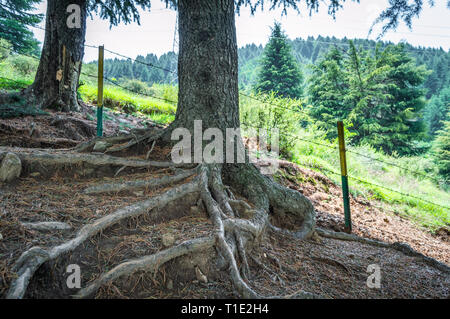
301,140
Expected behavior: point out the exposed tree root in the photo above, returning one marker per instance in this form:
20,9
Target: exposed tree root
47,226
402,247
133,185
147,263
33,258
238,226
47,162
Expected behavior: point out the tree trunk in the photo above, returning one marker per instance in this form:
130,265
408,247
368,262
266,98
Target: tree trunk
207,65
56,81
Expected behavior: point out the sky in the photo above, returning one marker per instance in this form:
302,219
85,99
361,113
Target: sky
157,29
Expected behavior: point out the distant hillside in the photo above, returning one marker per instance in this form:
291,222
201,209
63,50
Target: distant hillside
309,50
306,51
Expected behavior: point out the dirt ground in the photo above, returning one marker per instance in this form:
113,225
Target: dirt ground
280,266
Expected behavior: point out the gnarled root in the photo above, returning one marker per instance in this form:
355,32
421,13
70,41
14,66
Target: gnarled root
238,225
32,259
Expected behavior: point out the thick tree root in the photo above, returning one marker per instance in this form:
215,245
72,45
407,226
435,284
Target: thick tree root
46,158
33,258
402,247
238,226
47,226
133,185
147,263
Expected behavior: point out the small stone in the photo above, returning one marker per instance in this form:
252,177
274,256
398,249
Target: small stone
10,168
101,146
169,284
200,276
168,240
1,236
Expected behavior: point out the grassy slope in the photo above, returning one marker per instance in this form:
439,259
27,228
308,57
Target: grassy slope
316,157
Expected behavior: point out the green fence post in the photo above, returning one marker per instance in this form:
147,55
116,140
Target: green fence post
100,91
345,193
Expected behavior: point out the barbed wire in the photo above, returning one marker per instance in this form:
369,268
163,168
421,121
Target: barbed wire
251,97
135,60
130,90
357,179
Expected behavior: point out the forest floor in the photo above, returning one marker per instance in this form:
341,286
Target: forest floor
280,266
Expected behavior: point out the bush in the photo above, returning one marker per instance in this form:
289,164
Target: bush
285,117
24,65
135,86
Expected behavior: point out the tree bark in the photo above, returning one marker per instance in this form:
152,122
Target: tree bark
56,81
207,65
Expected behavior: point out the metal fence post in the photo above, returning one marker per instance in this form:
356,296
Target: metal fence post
100,91
345,193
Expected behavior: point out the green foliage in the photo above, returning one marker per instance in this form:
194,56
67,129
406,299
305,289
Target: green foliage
14,21
120,99
26,66
377,93
5,49
441,150
127,69
135,86
266,116
437,110
279,72
18,68
13,105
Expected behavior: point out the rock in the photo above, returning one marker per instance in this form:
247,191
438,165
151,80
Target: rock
168,240
10,168
47,226
35,174
1,236
101,146
200,276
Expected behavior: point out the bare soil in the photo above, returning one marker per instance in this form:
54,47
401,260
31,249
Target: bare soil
279,266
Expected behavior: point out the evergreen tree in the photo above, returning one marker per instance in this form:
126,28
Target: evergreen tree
441,150
329,103
377,92
279,70
437,111
14,22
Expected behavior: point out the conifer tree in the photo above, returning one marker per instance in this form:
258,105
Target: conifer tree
280,72
441,150
14,21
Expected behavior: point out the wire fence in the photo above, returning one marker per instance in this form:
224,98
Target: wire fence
281,133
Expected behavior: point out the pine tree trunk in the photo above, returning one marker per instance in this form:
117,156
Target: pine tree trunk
56,81
207,65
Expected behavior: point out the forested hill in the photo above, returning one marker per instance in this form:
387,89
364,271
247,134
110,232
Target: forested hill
305,51
309,50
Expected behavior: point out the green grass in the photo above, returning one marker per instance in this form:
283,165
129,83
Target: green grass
118,98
